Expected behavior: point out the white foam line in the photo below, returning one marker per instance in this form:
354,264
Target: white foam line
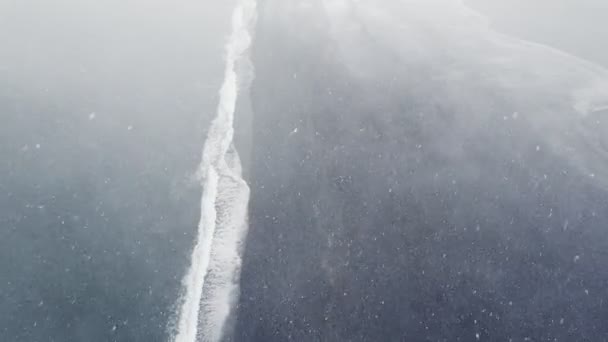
211,282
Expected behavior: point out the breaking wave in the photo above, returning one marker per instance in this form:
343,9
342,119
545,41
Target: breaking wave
211,283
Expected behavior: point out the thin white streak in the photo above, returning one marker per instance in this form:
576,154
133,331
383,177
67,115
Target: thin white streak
211,283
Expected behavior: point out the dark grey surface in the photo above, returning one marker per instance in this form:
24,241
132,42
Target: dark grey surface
402,207
408,206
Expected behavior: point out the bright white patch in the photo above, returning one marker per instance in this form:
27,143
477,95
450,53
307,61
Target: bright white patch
211,283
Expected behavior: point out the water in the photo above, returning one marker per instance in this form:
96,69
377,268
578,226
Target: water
211,283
